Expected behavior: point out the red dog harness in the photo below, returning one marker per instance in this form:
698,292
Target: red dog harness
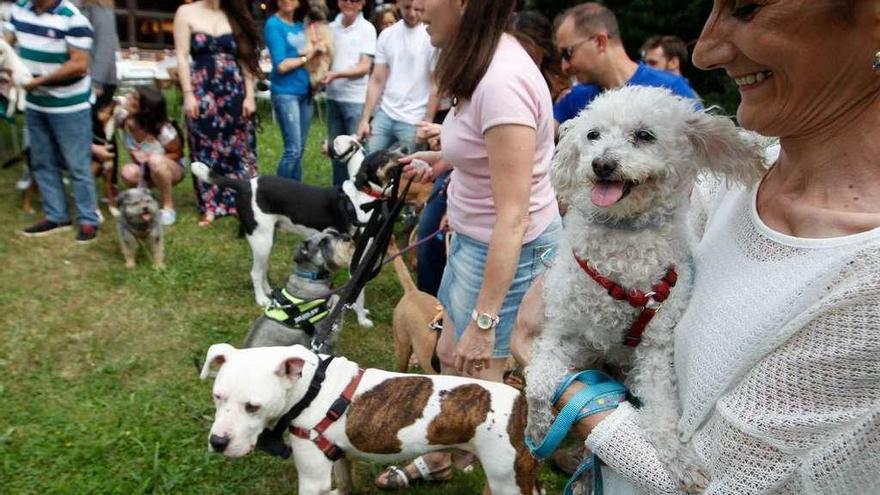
316,434
649,302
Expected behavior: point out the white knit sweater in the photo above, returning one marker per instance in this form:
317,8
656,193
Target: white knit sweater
778,361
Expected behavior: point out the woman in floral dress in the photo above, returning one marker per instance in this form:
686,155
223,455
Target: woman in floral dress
218,94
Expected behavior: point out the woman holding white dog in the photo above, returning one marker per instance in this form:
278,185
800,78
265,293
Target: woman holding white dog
498,139
778,355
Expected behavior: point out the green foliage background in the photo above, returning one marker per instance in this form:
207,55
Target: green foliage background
640,19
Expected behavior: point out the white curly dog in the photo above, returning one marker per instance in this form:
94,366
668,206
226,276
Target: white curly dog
625,167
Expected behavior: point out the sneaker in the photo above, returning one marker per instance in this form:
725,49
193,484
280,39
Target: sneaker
86,234
167,217
24,182
46,227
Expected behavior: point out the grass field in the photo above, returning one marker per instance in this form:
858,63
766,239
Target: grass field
98,390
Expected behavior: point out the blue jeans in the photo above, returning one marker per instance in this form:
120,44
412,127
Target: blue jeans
342,120
432,254
385,132
463,279
59,141
294,116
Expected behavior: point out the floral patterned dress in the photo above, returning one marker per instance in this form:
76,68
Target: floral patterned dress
219,137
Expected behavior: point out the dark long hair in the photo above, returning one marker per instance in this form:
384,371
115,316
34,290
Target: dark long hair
461,65
244,30
300,13
531,26
153,111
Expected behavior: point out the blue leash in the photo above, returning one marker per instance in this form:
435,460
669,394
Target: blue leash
602,393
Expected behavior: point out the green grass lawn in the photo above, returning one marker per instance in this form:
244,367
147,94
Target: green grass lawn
98,390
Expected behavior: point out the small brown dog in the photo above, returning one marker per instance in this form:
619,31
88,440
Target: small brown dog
414,318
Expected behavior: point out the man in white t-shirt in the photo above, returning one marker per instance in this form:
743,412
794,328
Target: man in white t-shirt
401,84
355,40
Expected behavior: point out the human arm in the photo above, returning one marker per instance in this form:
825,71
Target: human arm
436,166
511,152
276,43
433,103
76,67
356,72
181,48
249,105
374,92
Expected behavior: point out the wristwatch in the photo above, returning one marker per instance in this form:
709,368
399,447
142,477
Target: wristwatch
485,321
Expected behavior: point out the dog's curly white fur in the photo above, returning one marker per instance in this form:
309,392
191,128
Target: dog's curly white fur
625,167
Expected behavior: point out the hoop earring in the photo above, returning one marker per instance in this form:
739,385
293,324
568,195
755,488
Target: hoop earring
877,61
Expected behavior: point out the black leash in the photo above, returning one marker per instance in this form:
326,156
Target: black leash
368,256
272,441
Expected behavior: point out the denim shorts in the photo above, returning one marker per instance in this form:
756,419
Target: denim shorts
463,278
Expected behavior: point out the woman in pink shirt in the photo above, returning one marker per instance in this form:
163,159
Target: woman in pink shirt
498,140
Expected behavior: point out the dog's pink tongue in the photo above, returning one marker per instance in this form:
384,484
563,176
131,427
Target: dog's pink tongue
607,193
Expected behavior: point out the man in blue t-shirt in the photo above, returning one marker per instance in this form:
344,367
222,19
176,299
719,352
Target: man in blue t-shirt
588,39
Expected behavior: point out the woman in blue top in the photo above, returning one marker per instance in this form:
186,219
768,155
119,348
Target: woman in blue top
290,49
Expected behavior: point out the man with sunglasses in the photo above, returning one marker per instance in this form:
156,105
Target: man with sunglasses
589,42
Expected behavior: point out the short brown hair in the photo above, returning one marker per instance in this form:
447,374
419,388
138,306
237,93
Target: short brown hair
672,46
462,65
589,18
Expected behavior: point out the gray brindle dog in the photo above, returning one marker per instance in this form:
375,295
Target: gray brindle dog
318,258
139,223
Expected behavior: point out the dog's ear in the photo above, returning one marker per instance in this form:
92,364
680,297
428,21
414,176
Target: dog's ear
723,149
291,367
217,355
121,198
564,167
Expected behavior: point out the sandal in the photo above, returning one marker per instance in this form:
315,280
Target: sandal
398,478
205,220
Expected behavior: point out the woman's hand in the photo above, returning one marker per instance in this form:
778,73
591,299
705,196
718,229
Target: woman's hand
584,427
415,165
249,107
309,52
190,105
426,131
474,351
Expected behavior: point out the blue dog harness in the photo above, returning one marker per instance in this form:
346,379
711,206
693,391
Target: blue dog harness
602,393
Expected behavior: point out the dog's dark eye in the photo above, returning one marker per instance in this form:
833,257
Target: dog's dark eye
644,136
593,135
251,408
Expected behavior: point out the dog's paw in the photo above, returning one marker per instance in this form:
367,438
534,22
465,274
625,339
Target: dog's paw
160,266
365,322
263,300
129,264
691,478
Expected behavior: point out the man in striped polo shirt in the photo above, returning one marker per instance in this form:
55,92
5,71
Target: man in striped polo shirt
54,40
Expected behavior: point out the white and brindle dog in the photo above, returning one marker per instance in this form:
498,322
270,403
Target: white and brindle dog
267,202
625,167
254,388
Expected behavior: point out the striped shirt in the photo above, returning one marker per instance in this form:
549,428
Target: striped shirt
43,43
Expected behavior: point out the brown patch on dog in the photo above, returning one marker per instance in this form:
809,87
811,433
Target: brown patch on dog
376,415
462,409
526,466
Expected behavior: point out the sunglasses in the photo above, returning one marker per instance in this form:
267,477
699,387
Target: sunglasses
567,52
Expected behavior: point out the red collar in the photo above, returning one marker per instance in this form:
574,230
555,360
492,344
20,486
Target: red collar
649,302
316,434
369,191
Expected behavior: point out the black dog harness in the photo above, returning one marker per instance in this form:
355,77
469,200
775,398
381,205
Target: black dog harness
271,441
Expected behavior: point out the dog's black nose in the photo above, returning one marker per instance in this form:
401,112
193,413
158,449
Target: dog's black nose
604,167
218,443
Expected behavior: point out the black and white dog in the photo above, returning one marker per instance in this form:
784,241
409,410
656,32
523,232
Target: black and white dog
266,202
